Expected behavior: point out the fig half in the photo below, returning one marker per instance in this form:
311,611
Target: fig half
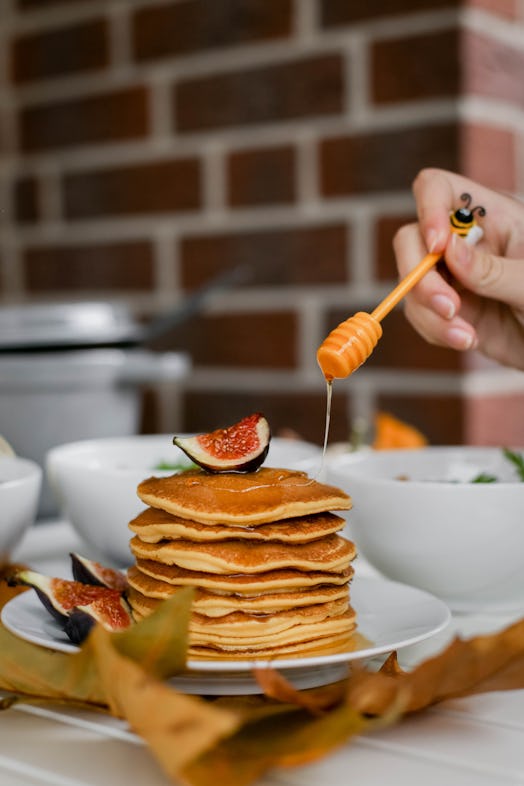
112,613
61,596
238,448
88,571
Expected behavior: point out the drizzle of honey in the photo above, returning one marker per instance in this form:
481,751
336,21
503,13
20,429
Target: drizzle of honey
329,396
287,478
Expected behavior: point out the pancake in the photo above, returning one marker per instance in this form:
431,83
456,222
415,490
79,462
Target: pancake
154,525
321,645
243,633
260,497
149,593
331,553
269,581
293,634
240,625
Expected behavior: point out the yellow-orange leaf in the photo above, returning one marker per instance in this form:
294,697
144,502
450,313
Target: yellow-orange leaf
390,433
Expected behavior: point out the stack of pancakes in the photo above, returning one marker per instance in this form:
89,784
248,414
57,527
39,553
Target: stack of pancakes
262,550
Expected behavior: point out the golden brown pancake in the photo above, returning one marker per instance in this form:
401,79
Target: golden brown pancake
150,593
300,632
237,556
154,525
260,497
269,581
320,645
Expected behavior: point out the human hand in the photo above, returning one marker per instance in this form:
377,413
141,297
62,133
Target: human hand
477,302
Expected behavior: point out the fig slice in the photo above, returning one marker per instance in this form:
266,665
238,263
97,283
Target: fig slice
61,596
88,571
112,613
241,447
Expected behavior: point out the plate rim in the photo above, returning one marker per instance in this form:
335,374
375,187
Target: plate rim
223,667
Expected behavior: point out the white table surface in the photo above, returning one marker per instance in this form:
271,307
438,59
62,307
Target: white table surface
477,741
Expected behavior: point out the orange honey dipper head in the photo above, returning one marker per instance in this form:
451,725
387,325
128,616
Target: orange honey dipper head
348,346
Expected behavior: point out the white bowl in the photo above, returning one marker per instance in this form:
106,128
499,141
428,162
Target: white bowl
461,541
95,482
20,483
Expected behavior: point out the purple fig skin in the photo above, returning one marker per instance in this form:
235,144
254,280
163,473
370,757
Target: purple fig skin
78,626
81,620
89,572
42,586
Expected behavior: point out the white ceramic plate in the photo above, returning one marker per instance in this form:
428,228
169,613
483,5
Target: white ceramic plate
390,616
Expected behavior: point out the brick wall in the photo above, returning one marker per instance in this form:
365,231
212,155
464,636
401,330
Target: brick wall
146,147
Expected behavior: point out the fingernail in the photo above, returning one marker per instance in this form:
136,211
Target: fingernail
461,339
460,249
443,306
435,240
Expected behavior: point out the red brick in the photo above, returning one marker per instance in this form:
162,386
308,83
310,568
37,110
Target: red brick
401,347
61,51
302,412
508,9
493,68
495,420
30,4
246,340
416,67
261,177
385,160
196,25
104,266
116,116
385,230
25,197
440,418
151,412
310,87
341,12
489,156
159,186
310,255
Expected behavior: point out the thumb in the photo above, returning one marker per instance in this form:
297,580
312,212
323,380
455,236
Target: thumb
487,275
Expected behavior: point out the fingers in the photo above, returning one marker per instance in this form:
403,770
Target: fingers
485,274
433,305
454,333
435,195
432,292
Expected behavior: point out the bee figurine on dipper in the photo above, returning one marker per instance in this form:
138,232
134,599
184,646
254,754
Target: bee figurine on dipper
463,221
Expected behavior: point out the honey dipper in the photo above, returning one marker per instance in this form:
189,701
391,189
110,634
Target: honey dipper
353,341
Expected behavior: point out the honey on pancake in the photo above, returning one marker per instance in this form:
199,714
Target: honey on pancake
284,476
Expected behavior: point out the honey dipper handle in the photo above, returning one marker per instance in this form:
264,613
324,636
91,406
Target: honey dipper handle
404,286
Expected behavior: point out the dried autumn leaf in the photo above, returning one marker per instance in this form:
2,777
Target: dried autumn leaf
275,686
177,728
279,738
481,664
159,642
36,672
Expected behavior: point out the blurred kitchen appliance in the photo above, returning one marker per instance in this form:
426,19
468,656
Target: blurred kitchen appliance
74,371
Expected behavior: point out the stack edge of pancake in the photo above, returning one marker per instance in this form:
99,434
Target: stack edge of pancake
271,573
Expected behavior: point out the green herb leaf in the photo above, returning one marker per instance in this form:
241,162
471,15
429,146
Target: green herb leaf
517,459
484,477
